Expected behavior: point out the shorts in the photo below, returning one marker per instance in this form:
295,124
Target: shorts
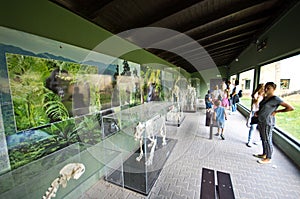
220,124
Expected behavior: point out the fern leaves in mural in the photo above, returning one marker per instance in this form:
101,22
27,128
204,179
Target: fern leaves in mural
42,89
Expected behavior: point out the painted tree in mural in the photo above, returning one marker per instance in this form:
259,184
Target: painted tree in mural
126,69
152,84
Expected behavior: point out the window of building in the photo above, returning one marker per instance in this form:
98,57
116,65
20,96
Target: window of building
246,83
284,74
284,83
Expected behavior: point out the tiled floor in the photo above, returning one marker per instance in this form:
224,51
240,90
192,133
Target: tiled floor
181,175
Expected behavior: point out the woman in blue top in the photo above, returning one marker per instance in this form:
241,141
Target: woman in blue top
266,120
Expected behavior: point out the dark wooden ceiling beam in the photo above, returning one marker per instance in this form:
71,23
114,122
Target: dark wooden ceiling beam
227,40
233,43
201,14
253,25
255,15
211,49
224,41
215,55
219,51
228,54
125,15
250,26
235,19
232,49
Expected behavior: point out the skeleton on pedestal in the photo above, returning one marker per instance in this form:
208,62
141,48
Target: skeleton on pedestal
147,130
174,114
192,97
176,94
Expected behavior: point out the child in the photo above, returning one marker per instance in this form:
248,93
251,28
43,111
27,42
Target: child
220,116
225,100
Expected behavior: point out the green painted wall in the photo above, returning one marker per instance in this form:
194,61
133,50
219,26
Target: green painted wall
282,40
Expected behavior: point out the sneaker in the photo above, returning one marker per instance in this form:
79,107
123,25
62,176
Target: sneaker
217,134
264,161
222,136
259,155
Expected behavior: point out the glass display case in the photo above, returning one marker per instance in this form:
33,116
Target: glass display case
196,83
144,143
174,115
186,95
66,173
172,92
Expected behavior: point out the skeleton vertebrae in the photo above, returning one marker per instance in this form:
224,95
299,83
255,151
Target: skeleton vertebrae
72,170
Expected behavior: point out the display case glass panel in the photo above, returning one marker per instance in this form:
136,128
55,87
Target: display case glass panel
144,144
38,178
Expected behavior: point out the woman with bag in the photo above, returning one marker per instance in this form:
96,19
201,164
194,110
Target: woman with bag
266,120
257,97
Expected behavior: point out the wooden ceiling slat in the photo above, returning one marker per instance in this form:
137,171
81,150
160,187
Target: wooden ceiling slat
144,12
193,51
253,25
201,14
219,51
224,41
254,13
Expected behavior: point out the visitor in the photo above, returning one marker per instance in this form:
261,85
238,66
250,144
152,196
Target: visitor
208,101
233,94
234,100
225,99
266,120
257,97
217,94
220,117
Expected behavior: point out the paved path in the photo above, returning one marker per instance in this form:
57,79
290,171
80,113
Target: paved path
181,176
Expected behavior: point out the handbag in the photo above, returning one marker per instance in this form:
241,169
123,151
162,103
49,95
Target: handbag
254,120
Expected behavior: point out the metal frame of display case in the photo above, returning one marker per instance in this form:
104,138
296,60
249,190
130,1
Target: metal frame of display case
138,175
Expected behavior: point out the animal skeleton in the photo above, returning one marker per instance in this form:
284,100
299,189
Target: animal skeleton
174,114
192,95
176,94
72,170
147,129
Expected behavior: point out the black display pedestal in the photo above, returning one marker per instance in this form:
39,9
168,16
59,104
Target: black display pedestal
139,177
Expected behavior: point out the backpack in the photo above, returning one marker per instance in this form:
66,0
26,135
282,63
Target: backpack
240,93
235,99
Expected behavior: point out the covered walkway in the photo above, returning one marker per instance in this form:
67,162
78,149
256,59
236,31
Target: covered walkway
181,175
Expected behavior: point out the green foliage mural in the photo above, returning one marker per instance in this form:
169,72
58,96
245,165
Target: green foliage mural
35,104
89,129
152,76
43,107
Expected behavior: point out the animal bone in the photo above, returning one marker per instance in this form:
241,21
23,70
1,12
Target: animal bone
72,170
